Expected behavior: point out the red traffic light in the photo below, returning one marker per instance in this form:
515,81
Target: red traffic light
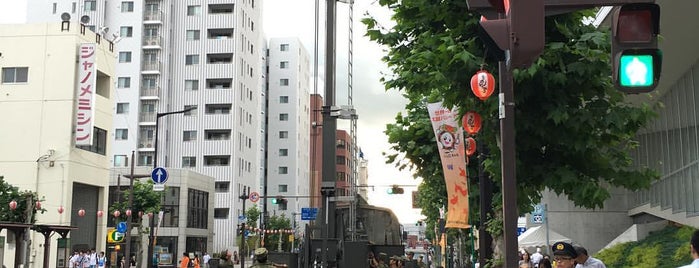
637,23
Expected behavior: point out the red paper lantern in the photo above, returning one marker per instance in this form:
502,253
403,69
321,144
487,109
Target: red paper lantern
128,212
483,84
100,213
140,214
116,213
81,212
38,205
470,146
471,122
13,205
60,210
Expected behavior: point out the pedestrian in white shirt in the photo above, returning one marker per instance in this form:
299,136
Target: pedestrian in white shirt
585,261
93,259
101,260
206,259
537,257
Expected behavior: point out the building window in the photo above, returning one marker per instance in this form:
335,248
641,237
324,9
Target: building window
221,213
283,188
15,75
191,84
189,135
121,161
121,134
191,112
191,59
171,207
222,186
283,170
283,134
284,117
217,134
284,47
122,108
284,82
193,35
99,142
55,7
283,99
73,7
284,65
125,56
193,10
189,161
127,6
145,159
90,5
217,160
283,152
218,109
340,160
124,82
126,31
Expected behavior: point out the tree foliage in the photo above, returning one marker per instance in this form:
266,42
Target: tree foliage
9,193
278,222
144,200
573,129
252,215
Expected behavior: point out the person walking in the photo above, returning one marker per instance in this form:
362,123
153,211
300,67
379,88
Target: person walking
196,262
537,257
586,261
93,258
694,249
184,263
206,258
101,260
226,261
564,255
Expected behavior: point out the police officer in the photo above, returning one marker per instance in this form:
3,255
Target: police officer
564,255
261,259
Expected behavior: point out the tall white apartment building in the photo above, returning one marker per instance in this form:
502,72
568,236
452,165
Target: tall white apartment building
174,55
288,133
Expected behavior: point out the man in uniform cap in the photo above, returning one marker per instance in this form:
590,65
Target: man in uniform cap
261,259
564,255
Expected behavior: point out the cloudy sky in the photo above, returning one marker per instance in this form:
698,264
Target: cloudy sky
375,106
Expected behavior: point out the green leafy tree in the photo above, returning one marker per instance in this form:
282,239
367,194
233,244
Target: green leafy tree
278,222
573,129
144,200
9,193
252,215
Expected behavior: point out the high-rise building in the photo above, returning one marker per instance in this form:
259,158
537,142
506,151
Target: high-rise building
200,54
288,126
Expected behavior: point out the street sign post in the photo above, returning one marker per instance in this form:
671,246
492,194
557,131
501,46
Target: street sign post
159,175
308,214
254,197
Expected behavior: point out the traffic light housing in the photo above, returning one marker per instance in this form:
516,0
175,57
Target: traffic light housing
636,59
395,190
521,31
278,200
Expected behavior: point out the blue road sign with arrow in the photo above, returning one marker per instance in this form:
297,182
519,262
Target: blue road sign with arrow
159,175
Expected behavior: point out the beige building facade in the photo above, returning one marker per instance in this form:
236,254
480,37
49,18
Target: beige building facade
56,90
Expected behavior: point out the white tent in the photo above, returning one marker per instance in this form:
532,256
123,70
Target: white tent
536,237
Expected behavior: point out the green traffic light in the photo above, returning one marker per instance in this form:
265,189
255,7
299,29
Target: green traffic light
636,71
275,201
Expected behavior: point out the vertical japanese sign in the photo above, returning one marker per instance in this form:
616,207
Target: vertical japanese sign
85,94
451,152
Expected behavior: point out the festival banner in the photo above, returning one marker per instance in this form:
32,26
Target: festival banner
450,142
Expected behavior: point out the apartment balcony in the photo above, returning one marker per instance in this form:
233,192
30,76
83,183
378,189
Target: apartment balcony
147,118
146,144
153,17
151,67
152,42
150,93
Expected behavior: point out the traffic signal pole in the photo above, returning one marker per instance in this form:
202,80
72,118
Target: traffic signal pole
329,127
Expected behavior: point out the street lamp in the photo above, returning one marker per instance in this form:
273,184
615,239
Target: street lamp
151,244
